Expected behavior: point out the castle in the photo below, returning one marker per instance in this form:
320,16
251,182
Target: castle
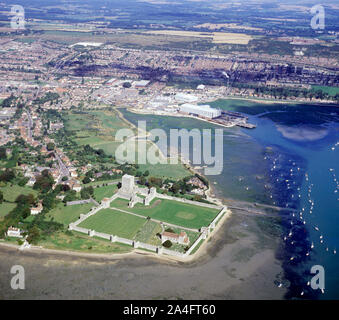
130,191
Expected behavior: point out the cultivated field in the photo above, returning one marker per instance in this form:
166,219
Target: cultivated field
148,233
115,223
178,213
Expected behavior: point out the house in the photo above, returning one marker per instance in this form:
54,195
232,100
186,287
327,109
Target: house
31,182
181,238
36,210
77,187
14,232
73,172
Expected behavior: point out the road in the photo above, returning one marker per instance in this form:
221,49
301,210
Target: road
64,172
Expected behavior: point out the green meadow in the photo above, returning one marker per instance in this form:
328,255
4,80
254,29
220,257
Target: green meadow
115,223
11,192
174,212
104,192
67,214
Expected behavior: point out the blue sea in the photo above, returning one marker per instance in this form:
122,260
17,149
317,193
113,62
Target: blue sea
291,160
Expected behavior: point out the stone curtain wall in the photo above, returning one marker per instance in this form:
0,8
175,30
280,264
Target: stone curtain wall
196,203
137,244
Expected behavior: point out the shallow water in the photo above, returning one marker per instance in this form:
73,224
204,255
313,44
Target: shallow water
277,163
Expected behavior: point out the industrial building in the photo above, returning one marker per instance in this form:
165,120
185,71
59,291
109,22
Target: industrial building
200,110
183,97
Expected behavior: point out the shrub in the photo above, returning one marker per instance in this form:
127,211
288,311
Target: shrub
167,244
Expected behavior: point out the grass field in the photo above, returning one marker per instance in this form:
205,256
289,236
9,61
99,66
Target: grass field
148,233
96,128
332,91
115,223
78,242
182,214
6,208
12,192
66,215
104,192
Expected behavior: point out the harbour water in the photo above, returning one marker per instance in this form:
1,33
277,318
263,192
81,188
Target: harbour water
291,160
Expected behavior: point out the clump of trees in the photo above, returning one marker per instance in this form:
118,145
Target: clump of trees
167,244
87,193
44,182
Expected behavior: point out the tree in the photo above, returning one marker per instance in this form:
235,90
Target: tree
50,146
7,175
1,197
33,235
3,154
142,180
127,85
167,244
86,180
44,182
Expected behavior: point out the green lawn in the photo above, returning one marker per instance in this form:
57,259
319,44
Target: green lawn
6,208
75,241
12,192
115,223
182,214
332,91
104,192
66,215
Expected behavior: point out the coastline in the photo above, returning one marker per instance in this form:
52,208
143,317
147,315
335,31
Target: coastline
236,256
227,249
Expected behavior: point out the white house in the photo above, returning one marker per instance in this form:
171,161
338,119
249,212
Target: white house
14,232
38,209
181,238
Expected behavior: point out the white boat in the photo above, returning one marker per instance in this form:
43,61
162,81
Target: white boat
312,245
316,228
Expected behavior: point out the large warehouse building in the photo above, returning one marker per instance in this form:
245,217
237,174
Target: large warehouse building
202,110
